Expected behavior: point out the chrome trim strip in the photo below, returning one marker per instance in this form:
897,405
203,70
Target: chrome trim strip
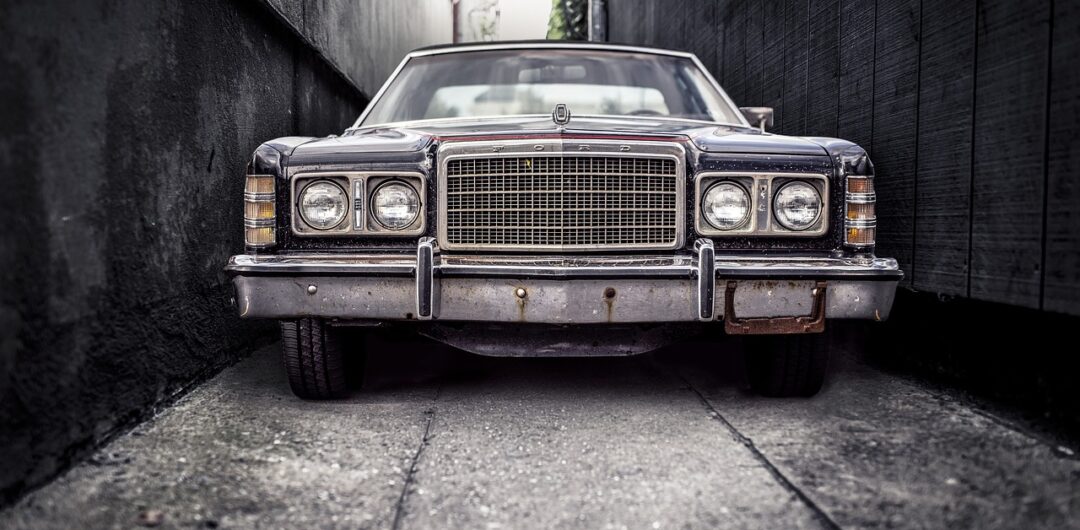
554,45
425,278
861,198
259,197
259,223
676,266
534,117
558,148
706,278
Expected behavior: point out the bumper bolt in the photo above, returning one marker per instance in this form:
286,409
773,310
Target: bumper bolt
311,289
520,292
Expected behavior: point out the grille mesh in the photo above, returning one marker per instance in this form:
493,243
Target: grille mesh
521,202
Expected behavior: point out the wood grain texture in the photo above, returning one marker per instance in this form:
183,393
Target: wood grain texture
943,173
1010,128
755,48
700,31
670,27
970,110
856,83
733,29
823,70
896,79
773,59
1061,287
796,41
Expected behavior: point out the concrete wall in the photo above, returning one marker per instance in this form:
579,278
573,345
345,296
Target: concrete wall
366,39
970,110
126,128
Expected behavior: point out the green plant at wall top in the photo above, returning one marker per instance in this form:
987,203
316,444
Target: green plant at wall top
569,20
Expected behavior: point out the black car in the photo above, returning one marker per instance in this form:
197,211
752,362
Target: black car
545,199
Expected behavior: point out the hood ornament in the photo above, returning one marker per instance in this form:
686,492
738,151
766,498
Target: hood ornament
561,114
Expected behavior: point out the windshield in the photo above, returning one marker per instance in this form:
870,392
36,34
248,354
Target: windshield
516,82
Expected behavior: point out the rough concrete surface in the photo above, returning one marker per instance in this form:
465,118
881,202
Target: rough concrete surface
126,129
366,39
438,438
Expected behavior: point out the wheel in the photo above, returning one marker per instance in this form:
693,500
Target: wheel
313,360
787,365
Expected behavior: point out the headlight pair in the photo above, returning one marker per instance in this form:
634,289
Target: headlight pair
726,205
323,204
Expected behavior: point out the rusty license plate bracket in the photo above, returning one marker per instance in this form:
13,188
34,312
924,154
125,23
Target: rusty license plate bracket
812,323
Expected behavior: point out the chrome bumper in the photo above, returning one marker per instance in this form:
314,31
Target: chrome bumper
559,290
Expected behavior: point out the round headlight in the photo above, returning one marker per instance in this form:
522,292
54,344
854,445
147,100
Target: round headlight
797,205
395,205
726,206
323,204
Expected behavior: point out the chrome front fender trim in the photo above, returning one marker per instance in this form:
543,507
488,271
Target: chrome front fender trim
503,266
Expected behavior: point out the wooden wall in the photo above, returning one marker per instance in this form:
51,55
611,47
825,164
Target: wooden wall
970,110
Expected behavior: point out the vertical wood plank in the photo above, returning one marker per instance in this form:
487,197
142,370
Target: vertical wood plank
733,24
943,174
796,26
1061,288
1010,129
755,65
773,59
896,77
856,84
700,30
823,68
669,27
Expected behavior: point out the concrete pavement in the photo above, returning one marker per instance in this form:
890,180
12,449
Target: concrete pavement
438,438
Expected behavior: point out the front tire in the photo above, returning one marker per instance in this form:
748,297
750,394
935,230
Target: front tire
313,359
787,365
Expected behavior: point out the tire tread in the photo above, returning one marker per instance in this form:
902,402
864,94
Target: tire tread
313,361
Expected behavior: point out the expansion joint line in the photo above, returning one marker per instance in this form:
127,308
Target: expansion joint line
410,477
820,514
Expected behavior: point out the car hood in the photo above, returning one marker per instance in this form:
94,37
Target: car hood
707,137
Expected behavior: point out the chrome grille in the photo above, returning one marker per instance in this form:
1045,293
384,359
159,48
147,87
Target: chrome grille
562,202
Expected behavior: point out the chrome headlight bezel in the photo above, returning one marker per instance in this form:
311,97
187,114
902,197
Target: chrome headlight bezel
409,191
706,210
779,212
305,215
762,185
358,185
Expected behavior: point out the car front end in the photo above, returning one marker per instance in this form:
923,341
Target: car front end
562,235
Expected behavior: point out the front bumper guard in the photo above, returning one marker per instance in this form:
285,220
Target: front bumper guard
760,294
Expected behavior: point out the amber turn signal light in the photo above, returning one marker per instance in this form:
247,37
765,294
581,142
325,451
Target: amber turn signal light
259,211
861,236
259,184
860,185
860,211
260,236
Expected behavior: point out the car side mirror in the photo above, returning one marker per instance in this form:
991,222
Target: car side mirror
760,117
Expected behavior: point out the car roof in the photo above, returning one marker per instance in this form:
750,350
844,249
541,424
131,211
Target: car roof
541,44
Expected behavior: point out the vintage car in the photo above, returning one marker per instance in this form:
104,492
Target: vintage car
561,199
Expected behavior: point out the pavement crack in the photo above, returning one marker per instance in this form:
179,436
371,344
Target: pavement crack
410,477
784,482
